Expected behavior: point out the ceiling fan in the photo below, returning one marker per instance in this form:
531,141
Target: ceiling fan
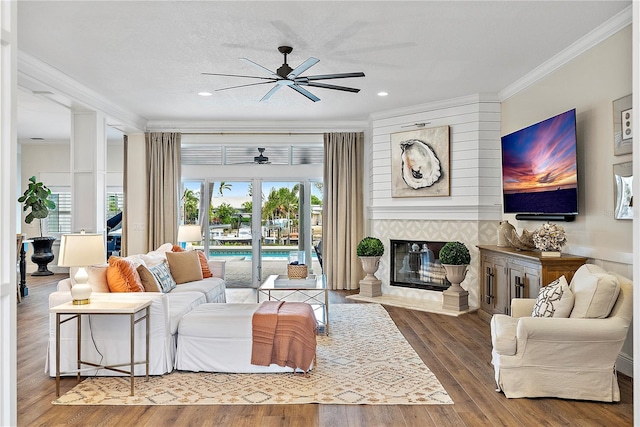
261,159
287,76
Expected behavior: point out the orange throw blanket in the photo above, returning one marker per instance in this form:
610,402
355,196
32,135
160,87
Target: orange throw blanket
284,334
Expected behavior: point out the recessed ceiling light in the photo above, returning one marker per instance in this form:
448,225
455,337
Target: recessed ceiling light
205,93
382,94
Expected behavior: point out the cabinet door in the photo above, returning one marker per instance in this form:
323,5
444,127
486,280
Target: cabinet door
531,282
494,285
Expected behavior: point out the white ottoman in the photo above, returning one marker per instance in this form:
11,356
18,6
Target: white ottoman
217,338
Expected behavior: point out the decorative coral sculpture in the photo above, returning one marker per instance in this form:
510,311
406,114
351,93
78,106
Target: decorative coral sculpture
549,237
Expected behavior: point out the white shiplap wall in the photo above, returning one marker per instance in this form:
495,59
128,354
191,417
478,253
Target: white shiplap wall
472,210
475,187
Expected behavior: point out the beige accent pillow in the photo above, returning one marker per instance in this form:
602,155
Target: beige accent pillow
554,300
98,278
595,292
184,266
148,280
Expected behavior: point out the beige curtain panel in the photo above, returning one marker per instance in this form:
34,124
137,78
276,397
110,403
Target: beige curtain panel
123,237
163,198
342,216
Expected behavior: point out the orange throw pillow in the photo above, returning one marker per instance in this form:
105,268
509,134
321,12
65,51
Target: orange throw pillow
206,272
122,276
177,248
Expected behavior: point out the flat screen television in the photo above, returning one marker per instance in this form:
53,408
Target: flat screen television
540,170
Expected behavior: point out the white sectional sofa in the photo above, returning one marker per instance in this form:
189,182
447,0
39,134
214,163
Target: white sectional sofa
105,339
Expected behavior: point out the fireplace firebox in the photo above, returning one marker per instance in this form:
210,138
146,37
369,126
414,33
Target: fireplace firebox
415,264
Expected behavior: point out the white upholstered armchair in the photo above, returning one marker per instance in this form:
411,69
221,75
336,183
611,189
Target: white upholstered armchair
572,357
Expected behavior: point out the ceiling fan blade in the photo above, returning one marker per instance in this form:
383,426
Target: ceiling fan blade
264,69
272,91
302,67
250,84
304,92
331,76
238,75
327,86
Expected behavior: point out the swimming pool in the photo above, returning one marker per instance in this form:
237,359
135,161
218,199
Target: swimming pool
276,255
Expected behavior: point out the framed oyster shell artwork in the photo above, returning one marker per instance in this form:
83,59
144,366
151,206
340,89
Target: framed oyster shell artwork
420,163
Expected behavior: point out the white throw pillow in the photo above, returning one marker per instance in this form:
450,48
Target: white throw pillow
595,292
554,300
97,277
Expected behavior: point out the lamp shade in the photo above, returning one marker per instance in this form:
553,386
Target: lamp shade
81,250
189,233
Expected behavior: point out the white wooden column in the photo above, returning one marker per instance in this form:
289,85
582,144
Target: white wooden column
88,172
8,201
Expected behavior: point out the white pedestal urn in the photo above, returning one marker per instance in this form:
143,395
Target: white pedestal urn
370,286
456,298
455,258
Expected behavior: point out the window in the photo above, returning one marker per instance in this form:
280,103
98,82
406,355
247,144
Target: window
115,203
59,220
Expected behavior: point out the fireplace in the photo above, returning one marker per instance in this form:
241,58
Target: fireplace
415,264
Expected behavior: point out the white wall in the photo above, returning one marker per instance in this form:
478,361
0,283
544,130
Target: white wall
470,213
589,83
50,162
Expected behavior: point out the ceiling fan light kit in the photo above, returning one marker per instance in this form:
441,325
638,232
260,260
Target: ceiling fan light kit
287,76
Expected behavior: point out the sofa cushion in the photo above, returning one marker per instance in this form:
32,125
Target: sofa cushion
122,276
162,275
148,280
503,334
595,292
554,300
184,266
213,289
151,260
181,303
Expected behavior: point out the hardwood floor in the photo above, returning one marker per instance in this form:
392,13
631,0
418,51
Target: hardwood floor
457,350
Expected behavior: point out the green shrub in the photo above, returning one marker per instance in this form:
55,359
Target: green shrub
370,246
454,253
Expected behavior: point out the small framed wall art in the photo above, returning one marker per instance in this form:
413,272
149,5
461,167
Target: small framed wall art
622,126
420,162
623,190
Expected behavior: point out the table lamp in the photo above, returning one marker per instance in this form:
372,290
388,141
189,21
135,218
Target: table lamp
81,250
189,233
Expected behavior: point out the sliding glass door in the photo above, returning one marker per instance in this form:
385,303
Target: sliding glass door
257,233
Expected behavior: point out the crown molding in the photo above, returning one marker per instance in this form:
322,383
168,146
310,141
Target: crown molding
593,38
45,81
271,126
436,105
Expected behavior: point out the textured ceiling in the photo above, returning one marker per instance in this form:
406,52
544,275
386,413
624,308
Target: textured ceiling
147,56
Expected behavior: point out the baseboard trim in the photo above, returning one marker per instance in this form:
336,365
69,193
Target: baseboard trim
624,365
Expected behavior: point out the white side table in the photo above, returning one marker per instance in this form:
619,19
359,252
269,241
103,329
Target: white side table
110,307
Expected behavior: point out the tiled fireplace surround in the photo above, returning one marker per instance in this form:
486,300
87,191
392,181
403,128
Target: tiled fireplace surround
471,233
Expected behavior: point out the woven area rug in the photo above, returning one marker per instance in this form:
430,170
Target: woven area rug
365,360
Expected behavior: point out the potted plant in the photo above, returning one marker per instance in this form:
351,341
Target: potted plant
370,249
455,258
36,201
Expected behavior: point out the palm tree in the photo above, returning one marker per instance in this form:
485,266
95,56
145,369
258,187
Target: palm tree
224,186
190,201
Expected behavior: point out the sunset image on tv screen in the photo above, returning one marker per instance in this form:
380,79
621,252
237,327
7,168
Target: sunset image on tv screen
541,159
